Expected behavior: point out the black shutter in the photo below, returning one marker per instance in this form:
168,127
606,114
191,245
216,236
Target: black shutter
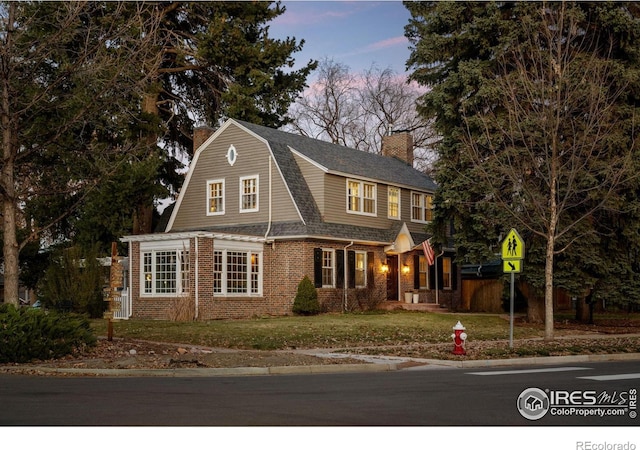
351,268
440,273
370,270
416,271
339,268
317,267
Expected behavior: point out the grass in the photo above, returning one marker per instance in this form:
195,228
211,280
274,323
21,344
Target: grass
326,330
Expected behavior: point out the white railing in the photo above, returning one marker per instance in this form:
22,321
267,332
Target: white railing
122,306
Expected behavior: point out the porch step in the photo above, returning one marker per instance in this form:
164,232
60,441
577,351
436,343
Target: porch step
426,307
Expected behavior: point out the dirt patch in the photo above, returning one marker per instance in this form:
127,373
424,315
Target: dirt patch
134,354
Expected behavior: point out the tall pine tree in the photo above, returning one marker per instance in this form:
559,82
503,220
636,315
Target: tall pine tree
536,105
69,76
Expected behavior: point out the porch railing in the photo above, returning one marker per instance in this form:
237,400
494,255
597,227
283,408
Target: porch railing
122,306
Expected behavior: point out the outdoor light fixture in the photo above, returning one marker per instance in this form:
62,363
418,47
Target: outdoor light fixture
406,269
385,267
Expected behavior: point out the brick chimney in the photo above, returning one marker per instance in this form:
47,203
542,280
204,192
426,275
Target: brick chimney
398,145
200,135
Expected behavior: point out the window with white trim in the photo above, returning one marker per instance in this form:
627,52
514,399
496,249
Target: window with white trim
446,273
249,194
361,197
423,272
237,272
361,269
215,197
328,268
421,207
165,270
393,202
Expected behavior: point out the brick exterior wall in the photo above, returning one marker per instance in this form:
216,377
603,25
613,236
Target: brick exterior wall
285,263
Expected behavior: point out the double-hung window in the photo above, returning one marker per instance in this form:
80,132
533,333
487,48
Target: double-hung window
165,268
361,197
423,273
361,269
215,197
446,273
421,207
328,268
249,194
393,202
237,272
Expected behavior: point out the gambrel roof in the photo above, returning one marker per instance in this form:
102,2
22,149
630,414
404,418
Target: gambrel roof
332,159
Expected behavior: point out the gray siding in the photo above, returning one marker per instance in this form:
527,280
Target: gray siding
212,164
335,211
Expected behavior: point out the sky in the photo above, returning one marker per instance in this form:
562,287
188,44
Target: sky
355,33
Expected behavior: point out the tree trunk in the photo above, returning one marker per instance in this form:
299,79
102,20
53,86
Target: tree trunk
7,180
548,292
11,250
582,310
143,213
535,309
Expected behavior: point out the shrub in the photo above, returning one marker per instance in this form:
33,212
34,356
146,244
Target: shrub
73,282
306,301
27,334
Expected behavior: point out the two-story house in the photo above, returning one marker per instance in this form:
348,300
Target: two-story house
261,208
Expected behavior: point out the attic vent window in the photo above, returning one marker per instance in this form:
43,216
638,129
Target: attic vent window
232,155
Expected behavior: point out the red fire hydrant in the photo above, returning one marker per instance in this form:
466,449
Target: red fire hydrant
459,337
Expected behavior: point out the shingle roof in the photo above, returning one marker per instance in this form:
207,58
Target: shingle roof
346,160
318,230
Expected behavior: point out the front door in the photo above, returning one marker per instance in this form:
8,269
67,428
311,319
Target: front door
392,278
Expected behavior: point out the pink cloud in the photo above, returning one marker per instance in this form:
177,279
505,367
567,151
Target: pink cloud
391,42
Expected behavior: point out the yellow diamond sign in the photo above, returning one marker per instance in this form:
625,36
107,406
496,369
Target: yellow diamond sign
513,246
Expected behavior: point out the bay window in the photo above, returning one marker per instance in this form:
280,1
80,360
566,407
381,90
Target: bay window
165,269
237,272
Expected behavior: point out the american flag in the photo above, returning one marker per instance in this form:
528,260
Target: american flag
428,252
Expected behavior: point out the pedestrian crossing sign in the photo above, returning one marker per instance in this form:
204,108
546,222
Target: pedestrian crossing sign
513,246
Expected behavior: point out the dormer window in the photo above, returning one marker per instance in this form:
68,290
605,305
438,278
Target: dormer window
393,202
421,207
361,197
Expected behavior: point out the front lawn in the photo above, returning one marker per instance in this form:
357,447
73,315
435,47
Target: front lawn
395,328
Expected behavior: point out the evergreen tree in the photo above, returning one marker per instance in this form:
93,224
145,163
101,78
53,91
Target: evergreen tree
535,103
217,61
69,77
306,300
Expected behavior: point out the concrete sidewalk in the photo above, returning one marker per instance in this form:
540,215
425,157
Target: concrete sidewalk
370,364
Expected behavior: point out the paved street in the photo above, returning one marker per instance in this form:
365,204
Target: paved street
421,396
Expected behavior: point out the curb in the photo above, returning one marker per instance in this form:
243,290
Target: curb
535,360
371,367
210,372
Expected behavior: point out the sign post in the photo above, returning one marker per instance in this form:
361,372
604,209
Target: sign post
512,256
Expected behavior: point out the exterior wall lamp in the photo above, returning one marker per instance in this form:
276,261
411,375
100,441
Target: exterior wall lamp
384,268
406,269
